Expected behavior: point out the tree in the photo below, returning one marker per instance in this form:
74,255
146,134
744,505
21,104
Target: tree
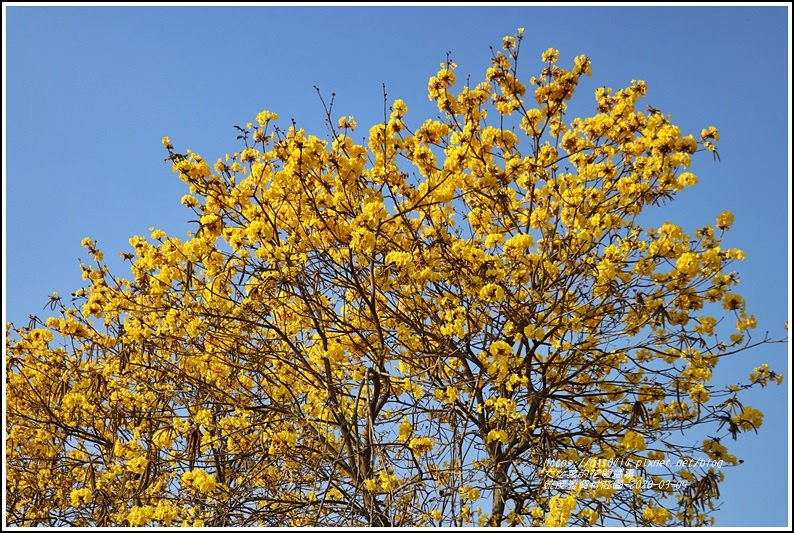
460,323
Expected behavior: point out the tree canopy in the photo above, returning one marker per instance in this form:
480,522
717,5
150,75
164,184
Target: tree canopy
458,323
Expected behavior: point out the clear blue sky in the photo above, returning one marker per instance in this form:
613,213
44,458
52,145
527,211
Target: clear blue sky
89,93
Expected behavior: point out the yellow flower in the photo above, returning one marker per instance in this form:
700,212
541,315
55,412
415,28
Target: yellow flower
264,117
744,323
656,515
165,512
406,428
450,394
687,179
469,493
347,123
750,419
399,108
725,220
80,496
735,253
551,55
633,441
498,434
137,465
140,515
387,481
421,445
706,325
733,302
590,515
199,479
500,348
699,394
560,510
710,133
164,438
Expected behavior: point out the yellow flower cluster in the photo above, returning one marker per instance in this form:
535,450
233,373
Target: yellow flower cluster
560,509
633,441
656,515
763,375
199,480
421,445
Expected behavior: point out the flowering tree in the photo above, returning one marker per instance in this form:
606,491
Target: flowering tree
463,323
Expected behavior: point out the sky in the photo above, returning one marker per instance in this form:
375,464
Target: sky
88,93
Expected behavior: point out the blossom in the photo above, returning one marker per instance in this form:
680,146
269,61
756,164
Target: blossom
656,515
551,55
710,133
699,394
498,435
633,441
732,302
725,220
421,445
79,496
199,479
137,465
